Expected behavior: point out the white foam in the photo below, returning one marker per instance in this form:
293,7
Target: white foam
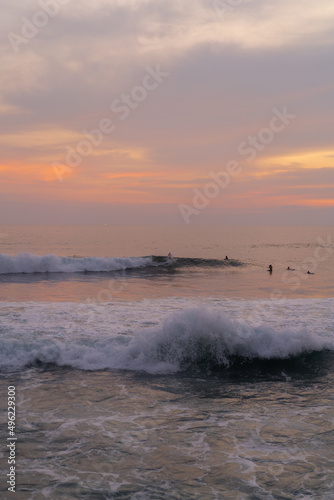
61,334
29,263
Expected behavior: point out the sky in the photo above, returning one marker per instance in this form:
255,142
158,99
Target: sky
167,112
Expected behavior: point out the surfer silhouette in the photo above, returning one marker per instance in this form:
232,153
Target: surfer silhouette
270,268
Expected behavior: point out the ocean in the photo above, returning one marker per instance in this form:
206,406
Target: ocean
126,374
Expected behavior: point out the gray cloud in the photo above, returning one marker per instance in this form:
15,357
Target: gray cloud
223,84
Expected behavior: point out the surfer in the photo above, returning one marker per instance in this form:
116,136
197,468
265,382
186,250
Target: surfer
226,258
289,269
270,268
170,256
308,272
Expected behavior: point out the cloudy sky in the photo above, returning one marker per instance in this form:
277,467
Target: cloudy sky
167,111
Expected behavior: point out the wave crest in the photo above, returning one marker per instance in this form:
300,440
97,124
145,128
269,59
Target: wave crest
190,339
28,263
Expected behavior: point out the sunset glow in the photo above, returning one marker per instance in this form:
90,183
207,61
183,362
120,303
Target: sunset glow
118,104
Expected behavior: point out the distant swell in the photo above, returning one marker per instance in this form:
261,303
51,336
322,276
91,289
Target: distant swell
26,263
186,340
197,262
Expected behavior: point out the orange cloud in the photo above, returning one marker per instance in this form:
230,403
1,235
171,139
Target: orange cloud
24,173
303,160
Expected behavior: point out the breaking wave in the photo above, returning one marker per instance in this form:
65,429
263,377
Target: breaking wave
188,340
26,263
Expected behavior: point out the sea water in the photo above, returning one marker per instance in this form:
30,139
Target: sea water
142,377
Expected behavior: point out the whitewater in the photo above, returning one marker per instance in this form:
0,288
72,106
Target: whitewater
188,338
142,377
27,263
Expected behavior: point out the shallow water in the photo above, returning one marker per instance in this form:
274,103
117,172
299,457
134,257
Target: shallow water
121,435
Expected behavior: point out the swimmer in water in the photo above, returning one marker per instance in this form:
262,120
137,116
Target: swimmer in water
289,269
308,272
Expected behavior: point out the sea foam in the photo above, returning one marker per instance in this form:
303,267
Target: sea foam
188,339
29,263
